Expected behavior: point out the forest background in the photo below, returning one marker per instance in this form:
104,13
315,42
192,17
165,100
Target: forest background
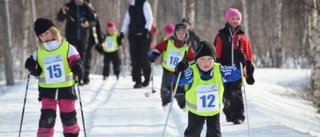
283,33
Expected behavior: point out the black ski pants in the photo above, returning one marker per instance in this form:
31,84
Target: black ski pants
196,122
139,46
113,58
233,101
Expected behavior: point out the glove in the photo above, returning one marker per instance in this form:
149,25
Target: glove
250,69
146,32
99,48
230,73
183,65
120,37
250,80
153,55
119,40
77,68
30,64
180,97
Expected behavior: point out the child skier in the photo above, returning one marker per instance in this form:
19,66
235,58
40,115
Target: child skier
203,88
56,63
174,50
110,50
233,47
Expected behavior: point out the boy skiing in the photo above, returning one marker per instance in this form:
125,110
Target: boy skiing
110,50
233,47
56,63
203,88
174,50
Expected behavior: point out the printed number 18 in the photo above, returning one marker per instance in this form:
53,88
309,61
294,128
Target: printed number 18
174,60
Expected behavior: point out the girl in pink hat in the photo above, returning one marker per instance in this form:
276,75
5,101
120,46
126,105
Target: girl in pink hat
233,48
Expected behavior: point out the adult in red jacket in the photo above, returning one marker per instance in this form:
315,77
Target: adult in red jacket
233,47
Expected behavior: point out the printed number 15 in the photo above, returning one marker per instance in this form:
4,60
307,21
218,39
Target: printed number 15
54,71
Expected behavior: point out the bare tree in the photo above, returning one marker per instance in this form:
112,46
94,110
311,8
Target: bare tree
5,18
278,34
315,66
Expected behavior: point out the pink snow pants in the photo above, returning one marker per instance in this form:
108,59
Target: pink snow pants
65,106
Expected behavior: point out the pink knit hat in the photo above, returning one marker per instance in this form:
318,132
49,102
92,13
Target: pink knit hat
169,28
231,12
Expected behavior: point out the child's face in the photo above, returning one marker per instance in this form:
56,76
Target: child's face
234,22
111,30
205,63
46,36
181,34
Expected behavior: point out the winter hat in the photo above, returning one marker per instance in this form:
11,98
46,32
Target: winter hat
231,12
180,26
204,48
111,24
169,28
41,25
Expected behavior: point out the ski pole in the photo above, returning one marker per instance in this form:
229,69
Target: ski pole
172,99
81,109
245,99
24,104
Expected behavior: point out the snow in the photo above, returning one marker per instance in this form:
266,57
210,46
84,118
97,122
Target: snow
113,108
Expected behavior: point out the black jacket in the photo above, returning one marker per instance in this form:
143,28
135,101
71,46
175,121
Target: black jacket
75,16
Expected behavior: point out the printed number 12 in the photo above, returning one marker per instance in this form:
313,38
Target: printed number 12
209,98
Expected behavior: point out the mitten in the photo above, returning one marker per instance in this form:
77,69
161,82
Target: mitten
250,69
146,33
121,37
180,97
153,55
183,65
99,48
119,41
30,64
250,80
77,68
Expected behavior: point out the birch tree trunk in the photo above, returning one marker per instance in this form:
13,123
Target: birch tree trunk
315,66
184,8
192,12
25,32
6,35
245,17
277,37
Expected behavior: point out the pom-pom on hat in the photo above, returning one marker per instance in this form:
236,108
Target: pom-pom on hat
41,25
204,48
231,12
111,24
169,28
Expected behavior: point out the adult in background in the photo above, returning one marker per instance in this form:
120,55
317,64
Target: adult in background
79,19
138,20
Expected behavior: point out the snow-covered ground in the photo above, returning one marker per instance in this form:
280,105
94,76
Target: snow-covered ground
114,109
